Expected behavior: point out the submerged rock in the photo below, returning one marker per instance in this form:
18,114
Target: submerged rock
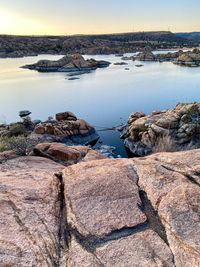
168,130
73,78
129,58
69,63
120,63
139,65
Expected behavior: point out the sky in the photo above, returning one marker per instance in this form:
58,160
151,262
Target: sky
68,17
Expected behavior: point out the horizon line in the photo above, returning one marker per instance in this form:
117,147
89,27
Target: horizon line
93,34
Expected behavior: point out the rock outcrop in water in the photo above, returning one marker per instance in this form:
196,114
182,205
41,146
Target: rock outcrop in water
69,63
168,130
189,58
105,212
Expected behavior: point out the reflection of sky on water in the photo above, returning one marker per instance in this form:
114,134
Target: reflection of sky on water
104,97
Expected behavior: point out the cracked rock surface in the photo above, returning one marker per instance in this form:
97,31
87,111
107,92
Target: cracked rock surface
105,212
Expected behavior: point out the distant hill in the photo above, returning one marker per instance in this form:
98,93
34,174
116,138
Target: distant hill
193,36
18,46
162,36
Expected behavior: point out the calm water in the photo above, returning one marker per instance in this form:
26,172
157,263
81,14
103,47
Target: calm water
105,97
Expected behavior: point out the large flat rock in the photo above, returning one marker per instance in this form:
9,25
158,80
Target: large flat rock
29,214
102,196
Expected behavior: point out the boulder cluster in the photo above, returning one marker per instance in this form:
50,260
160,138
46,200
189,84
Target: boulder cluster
65,128
168,130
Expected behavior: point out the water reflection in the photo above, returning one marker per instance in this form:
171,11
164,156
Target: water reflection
104,98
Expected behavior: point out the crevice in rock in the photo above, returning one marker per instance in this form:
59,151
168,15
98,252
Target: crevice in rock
91,242
187,175
153,219
63,235
191,178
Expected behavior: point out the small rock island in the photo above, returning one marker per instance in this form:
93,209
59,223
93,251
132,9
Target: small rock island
68,63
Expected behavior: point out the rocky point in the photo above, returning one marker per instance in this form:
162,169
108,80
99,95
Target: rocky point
168,130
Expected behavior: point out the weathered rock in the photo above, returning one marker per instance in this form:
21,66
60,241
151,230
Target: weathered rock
146,56
156,178
171,181
78,256
189,58
30,163
141,249
180,213
66,155
29,216
68,63
6,155
168,130
66,128
68,115
99,196
93,214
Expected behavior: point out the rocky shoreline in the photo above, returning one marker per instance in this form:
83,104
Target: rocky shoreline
188,58
168,130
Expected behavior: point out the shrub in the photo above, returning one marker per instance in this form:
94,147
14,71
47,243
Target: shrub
17,143
166,143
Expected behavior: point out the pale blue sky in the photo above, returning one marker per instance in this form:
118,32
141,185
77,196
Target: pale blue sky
97,16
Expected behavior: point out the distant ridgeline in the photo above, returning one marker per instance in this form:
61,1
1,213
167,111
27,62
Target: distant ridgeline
19,46
193,36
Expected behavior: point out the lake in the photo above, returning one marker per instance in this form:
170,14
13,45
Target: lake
105,97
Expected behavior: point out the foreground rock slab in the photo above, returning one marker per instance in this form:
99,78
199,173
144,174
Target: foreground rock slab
102,196
29,215
171,181
141,249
